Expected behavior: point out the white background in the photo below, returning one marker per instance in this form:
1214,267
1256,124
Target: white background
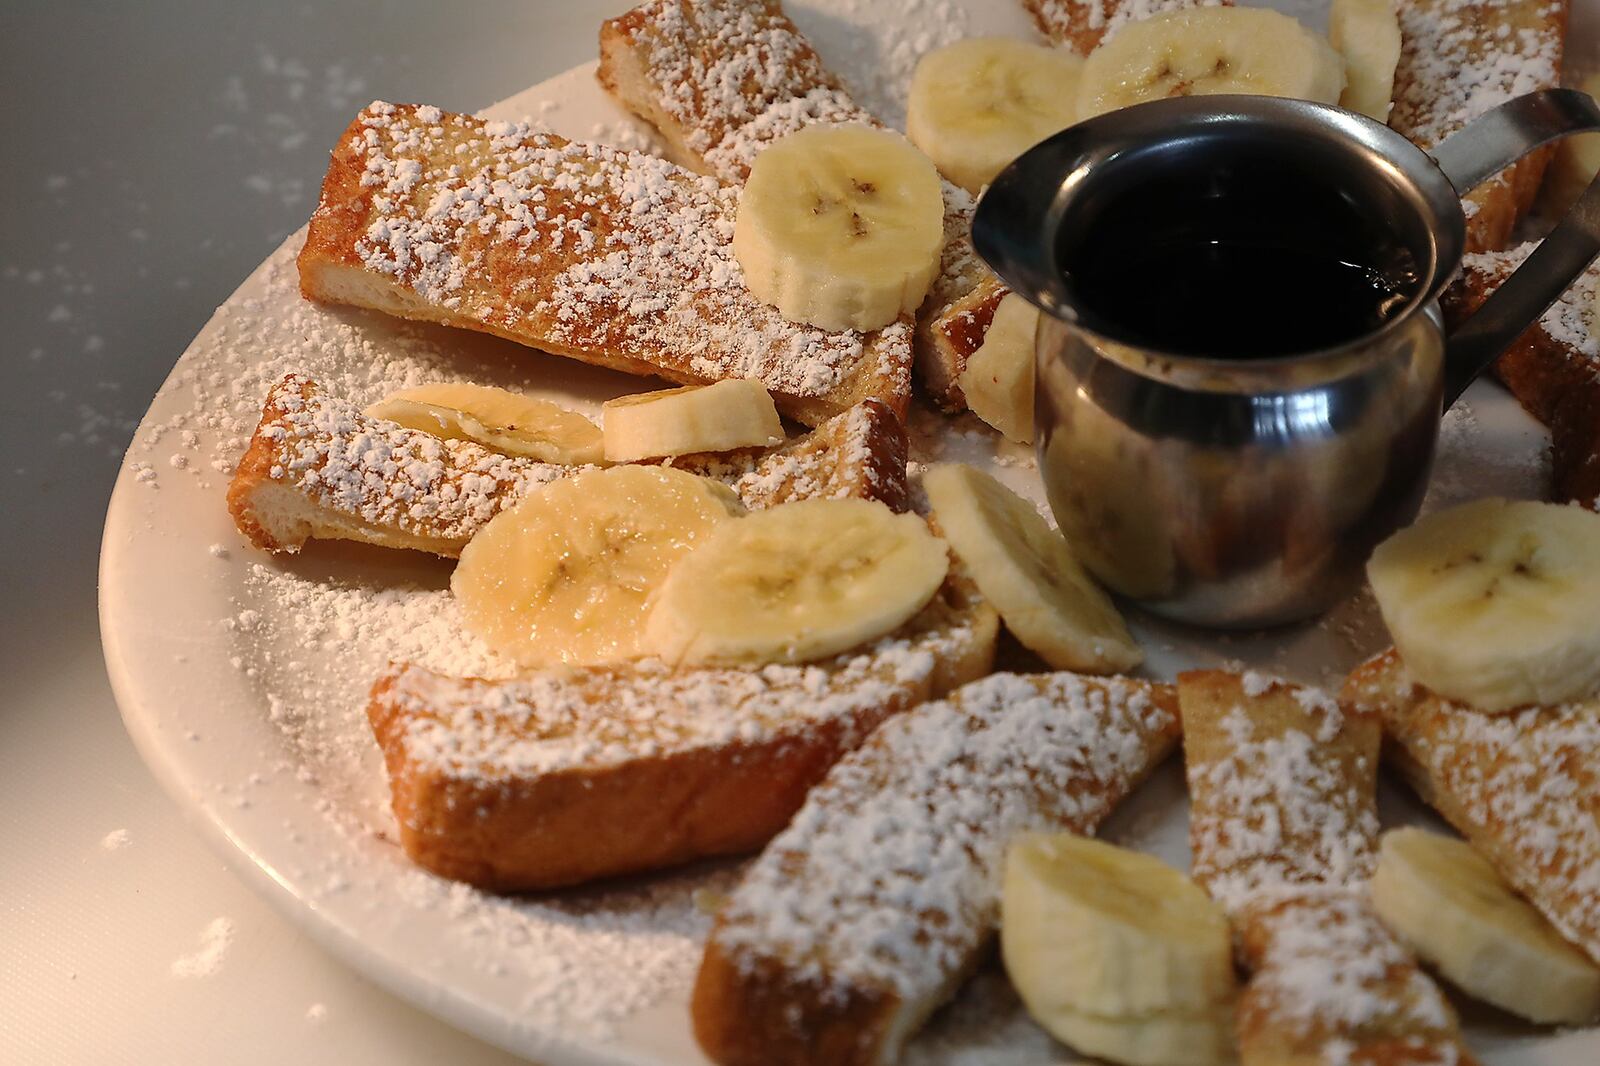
153,153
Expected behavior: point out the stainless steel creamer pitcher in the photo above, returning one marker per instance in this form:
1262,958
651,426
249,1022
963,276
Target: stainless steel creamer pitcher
1233,491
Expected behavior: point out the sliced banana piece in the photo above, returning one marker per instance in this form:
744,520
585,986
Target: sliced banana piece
1209,50
977,104
1028,571
1576,161
700,418
1452,908
1158,1040
569,574
503,421
1367,34
840,227
998,380
1493,603
799,582
1099,930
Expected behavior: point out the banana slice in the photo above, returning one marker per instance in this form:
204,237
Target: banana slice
1447,902
1110,933
1157,1040
840,227
569,574
998,380
1493,603
1027,570
503,421
977,104
1576,162
1209,50
701,418
799,582
1367,34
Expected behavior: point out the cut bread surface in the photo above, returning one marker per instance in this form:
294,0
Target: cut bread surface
609,257
318,468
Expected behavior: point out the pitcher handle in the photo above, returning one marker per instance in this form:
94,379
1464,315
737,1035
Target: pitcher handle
1474,154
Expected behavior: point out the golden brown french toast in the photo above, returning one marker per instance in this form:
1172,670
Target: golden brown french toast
865,914
1082,24
318,468
1461,58
566,777
1523,788
1283,833
722,79
1553,368
609,257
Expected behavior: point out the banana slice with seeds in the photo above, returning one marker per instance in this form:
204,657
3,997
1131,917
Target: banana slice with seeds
1209,50
1447,902
700,418
1116,953
840,227
977,104
1493,603
569,574
503,421
796,583
1028,571
1367,34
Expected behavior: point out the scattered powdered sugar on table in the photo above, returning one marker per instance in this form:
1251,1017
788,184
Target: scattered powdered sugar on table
215,939
116,840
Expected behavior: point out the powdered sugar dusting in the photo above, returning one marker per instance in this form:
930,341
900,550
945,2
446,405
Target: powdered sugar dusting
888,877
1461,58
1524,787
206,960
1280,799
585,250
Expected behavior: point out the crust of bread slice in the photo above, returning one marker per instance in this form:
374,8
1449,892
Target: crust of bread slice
568,777
1283,833
864,915
1461,58
1523,788
318,468
722,79
584,251
1553,368
1082,24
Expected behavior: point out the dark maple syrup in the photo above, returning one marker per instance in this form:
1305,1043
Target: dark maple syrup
1238,261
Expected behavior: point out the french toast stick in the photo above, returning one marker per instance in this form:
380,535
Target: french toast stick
1523,788
864,915
318,468
570,776
1553,368
1461,58
722,79
585,251
1283,832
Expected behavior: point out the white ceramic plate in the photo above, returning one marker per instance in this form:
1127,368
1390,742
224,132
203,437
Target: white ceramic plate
242,678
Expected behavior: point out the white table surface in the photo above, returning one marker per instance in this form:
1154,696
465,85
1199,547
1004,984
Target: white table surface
154,152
